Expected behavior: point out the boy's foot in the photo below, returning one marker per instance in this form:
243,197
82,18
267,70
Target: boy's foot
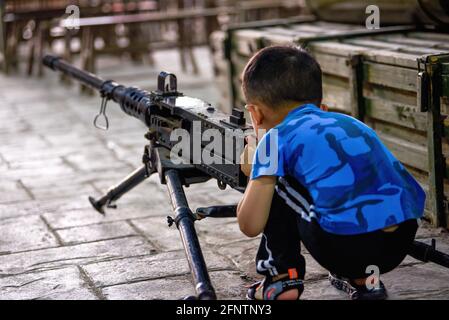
356,291
282,289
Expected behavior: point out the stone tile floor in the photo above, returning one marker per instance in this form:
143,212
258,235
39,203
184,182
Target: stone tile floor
53,245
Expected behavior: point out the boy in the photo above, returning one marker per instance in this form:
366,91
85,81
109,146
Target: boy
328,182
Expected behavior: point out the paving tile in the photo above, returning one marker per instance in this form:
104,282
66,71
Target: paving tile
13,191
62,284
158,232
44,259
154,266
18,209
228,286
95,232
427,281
173,288
214,232
424,281
25,233
125,210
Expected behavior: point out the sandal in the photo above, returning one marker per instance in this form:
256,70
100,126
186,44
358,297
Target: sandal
267,290
358,292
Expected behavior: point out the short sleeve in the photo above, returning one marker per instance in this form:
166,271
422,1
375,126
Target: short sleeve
268,159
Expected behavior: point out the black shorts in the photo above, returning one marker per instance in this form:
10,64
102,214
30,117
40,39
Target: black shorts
345,255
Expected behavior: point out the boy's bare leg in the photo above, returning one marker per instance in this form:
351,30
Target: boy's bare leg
279,257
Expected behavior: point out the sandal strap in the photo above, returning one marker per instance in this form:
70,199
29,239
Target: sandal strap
272,290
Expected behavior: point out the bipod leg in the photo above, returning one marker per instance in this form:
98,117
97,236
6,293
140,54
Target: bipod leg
115,192
184,220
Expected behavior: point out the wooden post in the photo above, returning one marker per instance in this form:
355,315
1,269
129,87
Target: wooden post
3,55
11,50
185,41
356,86
67,54
87,55
212,21
182,39
43,31
32,48
434,140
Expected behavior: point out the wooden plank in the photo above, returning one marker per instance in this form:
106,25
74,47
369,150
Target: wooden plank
341,27
407,40
257,24
399,114
405,133
372,43
336,93
412,154
399,59
390,76
423,180
286,31
332,64
384,126
246,42
336,48
401,97
277,39
430,36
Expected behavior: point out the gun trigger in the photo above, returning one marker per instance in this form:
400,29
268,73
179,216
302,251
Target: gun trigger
102,113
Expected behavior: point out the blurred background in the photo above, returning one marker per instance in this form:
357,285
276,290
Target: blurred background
123,28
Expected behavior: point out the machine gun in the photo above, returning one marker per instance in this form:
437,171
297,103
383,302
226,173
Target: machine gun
163,111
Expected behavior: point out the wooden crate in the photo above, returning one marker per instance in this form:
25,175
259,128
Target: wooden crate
380,84
242,43
376,77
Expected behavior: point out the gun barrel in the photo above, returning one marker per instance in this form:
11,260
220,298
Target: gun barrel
133,101
89,79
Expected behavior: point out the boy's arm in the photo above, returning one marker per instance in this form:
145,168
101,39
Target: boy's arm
254,207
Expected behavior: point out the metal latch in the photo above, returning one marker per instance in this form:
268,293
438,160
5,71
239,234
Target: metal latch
423,91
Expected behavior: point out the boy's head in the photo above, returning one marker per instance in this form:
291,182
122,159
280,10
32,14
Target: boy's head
277,79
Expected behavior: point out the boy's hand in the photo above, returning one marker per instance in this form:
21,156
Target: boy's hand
246,158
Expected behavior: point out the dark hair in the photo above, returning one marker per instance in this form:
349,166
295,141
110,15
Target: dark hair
278,75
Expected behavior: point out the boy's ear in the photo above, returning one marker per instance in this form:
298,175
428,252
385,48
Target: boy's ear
258,115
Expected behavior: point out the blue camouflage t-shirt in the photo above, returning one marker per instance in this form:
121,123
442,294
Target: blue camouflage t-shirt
355,183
